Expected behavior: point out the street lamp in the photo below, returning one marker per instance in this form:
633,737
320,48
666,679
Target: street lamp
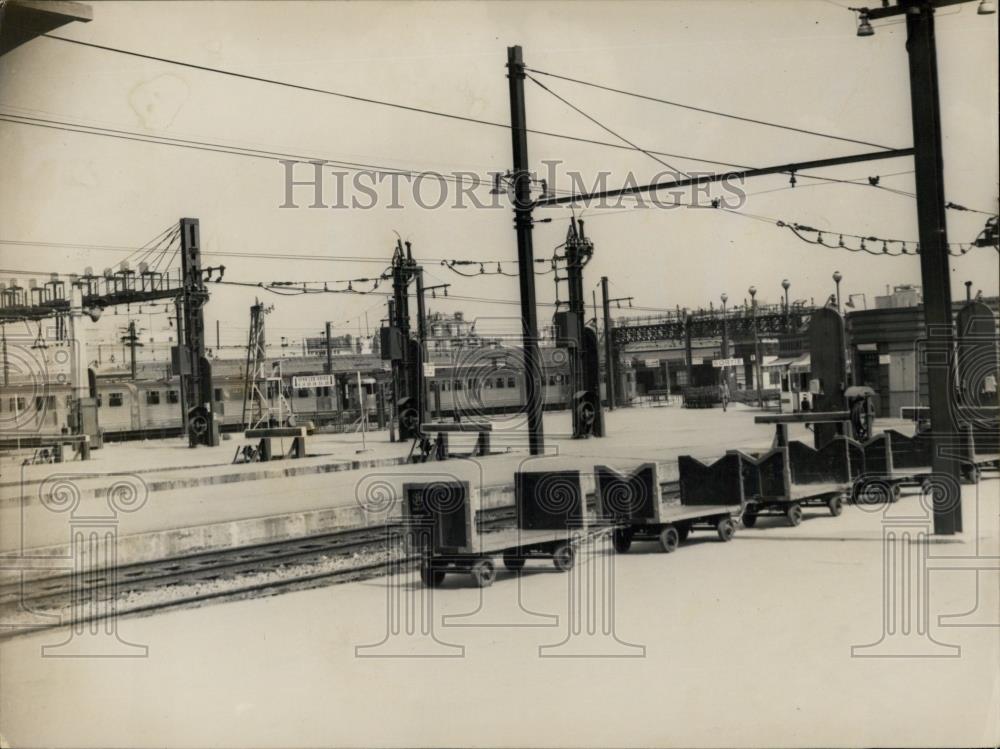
864,25
725,333
786,284
724,297
756,346
836,279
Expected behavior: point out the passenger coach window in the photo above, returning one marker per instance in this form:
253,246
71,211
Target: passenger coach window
115,400
218,394
152,397
303,393
173,396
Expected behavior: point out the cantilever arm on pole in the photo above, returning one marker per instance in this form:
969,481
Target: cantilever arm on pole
893,153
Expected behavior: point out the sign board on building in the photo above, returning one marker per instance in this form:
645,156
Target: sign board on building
651,362
301,382
719,363
429,370
884,358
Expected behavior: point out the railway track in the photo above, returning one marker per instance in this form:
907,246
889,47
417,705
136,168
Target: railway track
213,576
229,574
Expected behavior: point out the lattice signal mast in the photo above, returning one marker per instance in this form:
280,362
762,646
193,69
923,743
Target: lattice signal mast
264,402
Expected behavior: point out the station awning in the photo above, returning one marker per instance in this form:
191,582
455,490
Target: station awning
799,363
781,361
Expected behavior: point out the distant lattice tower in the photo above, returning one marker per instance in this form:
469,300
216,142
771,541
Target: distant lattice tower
256,403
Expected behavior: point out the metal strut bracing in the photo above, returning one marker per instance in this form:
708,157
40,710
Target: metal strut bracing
126,286
398,345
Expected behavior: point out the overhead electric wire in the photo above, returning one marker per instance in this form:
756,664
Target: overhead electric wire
717,113
271,155
131,135
604,127
362,99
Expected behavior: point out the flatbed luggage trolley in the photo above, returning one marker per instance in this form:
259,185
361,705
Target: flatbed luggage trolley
440,523
710,497
784,480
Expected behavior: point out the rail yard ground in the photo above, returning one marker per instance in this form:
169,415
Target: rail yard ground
752,638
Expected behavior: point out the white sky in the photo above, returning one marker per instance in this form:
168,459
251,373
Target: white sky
792,61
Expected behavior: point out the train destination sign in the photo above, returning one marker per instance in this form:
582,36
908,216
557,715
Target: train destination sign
312,381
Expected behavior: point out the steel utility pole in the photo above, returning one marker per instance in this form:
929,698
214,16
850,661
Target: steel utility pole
329,349
132,339
181,384
608,345
525,252
934,266
932,231
6,362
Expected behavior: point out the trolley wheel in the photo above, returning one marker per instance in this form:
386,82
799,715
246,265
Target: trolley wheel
564,557
794,514
484,572
669,539
726,528
836,505
683,531
431,577
622,539
513,562
749,519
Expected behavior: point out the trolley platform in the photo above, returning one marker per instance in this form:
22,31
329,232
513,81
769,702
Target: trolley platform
440,521
784,480
710,498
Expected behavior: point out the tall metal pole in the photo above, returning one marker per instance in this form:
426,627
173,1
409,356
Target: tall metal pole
329,349
756,348
422,398
725,341
934,268
525,252
131,345
181,384
609,356
6,361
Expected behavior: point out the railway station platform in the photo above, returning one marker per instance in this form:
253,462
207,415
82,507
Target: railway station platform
165,499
